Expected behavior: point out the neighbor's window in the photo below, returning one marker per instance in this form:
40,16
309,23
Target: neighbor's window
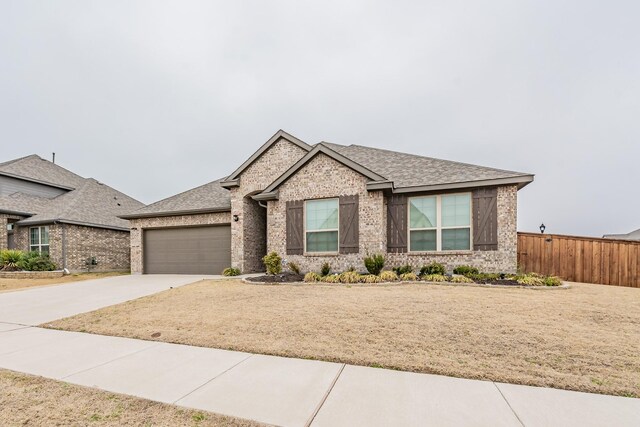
321,230
39,239
440,223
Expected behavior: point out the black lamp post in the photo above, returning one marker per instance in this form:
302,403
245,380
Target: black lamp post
542,228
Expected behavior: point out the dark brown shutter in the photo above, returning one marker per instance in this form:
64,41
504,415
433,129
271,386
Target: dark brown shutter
397,223
485,219
349,225
295,228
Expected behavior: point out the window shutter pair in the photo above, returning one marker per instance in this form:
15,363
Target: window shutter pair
484,219
349,231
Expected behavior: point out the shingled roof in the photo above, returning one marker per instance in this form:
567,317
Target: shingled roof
87,201
210,197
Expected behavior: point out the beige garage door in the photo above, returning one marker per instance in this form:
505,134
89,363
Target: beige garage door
189,250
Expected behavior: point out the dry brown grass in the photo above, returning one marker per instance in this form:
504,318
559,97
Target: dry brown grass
36,401
7,285
584,338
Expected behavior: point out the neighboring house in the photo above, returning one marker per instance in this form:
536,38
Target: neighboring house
634,235
46,208
336,204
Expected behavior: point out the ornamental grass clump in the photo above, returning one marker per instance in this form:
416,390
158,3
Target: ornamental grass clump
409,277
10,259
370,278
433,268
349,277
552,281
312,277
325,269
388,276
331,278
434,278
374,263
530,279
294,268
273,263
231,271
460,279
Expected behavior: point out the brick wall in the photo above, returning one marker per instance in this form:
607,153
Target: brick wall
248,234
138,225
325,177
5,219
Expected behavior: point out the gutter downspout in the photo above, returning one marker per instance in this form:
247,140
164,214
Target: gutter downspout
261,205
64,244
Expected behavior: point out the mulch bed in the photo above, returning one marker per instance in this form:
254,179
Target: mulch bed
277,278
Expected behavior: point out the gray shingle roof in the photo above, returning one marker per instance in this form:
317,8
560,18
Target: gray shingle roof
88,202
209,197
36,168
410,170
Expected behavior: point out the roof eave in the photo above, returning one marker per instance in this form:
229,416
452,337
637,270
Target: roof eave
520,181
230,183
37,181
263,197
10,212
175,213
71,222
379,185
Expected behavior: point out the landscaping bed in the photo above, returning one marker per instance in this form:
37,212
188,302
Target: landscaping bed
277,278
584,338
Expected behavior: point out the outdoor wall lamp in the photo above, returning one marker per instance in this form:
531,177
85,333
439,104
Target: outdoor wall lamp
236,218
542,228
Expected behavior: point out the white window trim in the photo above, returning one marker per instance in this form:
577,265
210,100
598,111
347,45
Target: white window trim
39,246
304,221
438,228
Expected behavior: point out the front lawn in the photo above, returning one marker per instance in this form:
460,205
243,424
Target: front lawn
27,400
19,284
584,338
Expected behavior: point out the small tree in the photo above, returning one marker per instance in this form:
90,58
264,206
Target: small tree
273,263
374,263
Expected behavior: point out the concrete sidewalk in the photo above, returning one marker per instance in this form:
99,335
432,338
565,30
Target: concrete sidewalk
295,392
39,305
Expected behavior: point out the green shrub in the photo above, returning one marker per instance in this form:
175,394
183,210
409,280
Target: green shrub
433,268
331,278
312,277
370,278
325,269
403,269
465,270
388,276
434,278
483,277
231,271
295,268
409,277
349,277
530,280
460,279
374,263
10,259
552,281
273,263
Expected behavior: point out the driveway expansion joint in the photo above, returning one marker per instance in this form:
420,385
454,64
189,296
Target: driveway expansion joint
326,395
508,404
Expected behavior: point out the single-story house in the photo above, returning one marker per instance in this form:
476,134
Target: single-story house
46,208
633,235
333,203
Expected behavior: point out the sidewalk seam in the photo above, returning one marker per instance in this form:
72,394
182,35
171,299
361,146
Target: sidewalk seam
508,404
112,360
175,402
326,396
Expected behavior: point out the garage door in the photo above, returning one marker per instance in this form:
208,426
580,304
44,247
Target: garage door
189,250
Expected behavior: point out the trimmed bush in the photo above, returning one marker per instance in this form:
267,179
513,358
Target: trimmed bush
370,278
483,277
325,269
433,268
231,271
273,263
460,279
434,278
465,270
409,277
374,263
388,276
552,281
312,277
403,269
349,277
295,268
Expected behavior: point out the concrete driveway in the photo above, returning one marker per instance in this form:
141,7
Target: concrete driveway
36,306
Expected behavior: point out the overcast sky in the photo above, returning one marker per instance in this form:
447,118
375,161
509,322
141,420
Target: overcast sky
156,97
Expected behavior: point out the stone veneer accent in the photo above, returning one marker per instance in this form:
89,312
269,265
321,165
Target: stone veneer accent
31,274
324,177
138,225
109,247
248,234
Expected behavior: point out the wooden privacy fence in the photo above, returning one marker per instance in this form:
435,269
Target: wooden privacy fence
581,259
